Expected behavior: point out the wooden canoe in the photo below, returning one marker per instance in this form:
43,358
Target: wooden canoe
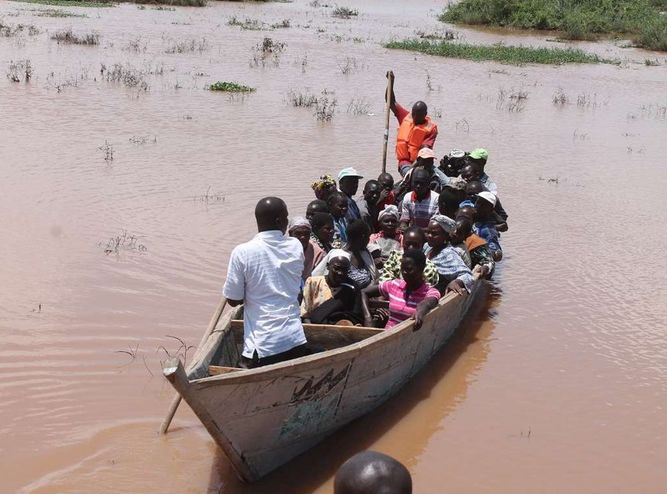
264,417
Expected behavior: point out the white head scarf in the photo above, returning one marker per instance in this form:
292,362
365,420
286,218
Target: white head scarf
299,221
389,210
323,267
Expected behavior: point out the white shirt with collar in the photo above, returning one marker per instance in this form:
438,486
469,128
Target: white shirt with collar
266,274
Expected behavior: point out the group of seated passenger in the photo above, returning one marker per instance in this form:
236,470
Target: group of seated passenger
408,243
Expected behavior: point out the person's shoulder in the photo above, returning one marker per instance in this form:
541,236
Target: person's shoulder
292,244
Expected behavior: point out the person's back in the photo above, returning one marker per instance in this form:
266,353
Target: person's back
265,275
370,472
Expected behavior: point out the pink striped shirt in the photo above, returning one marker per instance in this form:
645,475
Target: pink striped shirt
400,307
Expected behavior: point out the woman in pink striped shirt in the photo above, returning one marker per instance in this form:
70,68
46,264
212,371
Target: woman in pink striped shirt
410,297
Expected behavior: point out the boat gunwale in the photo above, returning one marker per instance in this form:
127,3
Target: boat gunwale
313,361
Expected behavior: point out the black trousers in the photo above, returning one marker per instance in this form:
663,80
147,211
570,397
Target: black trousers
296,352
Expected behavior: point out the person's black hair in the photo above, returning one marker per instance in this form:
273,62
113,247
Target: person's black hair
357,229
417,256
336,195
317,202
371,182
370,472
414,229
450,197
463,225
320,219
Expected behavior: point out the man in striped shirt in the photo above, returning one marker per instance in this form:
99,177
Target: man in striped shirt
420,204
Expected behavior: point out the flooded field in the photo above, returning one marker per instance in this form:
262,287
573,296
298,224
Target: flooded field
125,183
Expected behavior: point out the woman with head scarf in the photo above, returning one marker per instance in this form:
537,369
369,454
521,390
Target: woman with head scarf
301,230
323,187
332,298
453,273
388,238
362,265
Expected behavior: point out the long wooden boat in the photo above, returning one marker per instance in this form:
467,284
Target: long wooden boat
264,417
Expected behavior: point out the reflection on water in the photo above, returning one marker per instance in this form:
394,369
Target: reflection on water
103,258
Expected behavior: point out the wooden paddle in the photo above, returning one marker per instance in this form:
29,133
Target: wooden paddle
211,327
390,89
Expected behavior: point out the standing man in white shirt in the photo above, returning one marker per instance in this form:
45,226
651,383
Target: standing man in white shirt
265,275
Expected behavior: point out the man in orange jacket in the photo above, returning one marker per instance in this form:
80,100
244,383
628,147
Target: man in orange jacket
415,131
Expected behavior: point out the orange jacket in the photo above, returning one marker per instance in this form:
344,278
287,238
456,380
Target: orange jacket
411,137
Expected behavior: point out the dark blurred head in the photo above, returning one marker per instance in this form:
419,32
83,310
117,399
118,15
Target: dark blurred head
349,185
421,183
412,267
449,200
323,227
372,191
386,181
463,229
358,235
271,214
316,206
419,112
413,238
471,172
370,472
338,270
338,204
473,188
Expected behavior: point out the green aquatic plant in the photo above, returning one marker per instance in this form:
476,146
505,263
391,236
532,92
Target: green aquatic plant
498,53
231,87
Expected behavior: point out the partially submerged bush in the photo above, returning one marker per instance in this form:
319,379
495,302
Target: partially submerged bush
231,87
267,51
577,19
8,30
68,37
344,12
19,71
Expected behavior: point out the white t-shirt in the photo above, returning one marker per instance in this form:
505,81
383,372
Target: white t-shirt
266,274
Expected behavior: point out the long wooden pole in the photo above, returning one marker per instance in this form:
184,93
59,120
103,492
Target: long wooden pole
390,90
177,399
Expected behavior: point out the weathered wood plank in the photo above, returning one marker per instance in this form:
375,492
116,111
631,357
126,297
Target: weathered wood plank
216,370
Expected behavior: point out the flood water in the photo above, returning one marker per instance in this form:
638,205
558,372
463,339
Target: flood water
119,207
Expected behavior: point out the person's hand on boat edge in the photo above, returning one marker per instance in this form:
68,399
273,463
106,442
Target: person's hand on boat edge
457,287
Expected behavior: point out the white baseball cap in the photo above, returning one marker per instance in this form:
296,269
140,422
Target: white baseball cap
488,196
349,172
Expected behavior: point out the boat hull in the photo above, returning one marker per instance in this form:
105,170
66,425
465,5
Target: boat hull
264,417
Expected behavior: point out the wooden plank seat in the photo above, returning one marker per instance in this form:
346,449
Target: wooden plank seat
327,336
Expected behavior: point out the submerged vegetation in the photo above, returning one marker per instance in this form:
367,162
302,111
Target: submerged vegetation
499,53
19,71
68,37
71,3
231,87
7,30
344,12
576,19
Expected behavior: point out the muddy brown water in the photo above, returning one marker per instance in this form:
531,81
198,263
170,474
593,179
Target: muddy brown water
558,384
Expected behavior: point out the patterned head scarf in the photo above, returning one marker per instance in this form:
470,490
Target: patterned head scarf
447,224
324,182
